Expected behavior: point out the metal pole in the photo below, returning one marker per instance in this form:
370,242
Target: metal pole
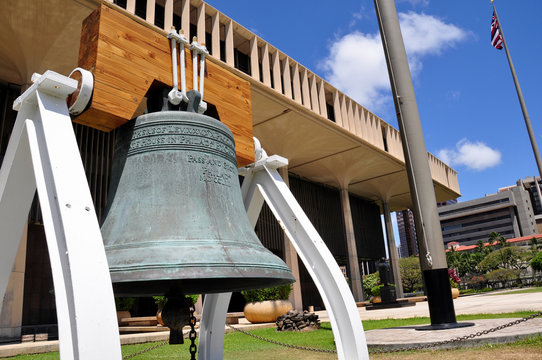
430,243
520,97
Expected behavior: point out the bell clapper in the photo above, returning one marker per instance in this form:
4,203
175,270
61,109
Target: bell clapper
176,315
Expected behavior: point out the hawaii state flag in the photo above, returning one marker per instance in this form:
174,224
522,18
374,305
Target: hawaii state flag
496,37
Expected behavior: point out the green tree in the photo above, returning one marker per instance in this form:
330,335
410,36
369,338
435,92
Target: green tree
480,246
502,275
511,257
536,262
411,274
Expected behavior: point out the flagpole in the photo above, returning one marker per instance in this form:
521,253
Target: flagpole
520,96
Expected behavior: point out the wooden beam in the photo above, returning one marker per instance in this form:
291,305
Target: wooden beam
128,59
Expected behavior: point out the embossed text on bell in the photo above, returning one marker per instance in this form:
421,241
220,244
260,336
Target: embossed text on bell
175,217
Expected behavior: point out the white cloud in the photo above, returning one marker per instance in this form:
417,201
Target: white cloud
356,63
416,2
474,155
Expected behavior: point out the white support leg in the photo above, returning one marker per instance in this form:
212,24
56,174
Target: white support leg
17,188
264,179
48,157
213,319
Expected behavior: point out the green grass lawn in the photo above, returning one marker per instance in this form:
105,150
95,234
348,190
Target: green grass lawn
522,291
240,346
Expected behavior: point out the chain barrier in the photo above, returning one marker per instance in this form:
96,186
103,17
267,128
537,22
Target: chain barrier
145,350
405,348
281,343
192,335
460,338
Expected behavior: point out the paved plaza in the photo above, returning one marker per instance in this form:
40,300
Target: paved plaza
400,337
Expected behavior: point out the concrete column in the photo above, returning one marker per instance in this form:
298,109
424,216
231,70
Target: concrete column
296,84
215,35
314,94
200,23
130,6
355,277
350,113
322,98
185,18
290,257
305,89
228,37
168,15
392,249
287,78
357,120
11,315
344,113
254,61
266,70
275,59
337,108
149,16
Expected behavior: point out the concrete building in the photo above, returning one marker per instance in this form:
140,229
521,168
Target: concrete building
533,186
508,212
407,230
407,233
345,164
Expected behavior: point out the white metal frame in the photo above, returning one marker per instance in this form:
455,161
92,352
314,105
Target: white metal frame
42,154
263,183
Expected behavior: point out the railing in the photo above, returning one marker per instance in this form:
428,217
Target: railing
238,47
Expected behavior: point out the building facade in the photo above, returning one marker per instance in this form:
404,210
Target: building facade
508,212
344,162
407,233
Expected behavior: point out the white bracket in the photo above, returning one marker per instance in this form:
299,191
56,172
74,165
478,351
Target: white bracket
201,50
175,96
263,183
43,154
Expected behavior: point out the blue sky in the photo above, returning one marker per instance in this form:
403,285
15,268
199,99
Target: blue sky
468,105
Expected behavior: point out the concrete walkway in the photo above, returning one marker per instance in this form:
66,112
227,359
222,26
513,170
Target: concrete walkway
491,303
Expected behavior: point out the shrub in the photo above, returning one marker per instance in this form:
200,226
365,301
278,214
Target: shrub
124,303
370,281
275,293
160,301
375,290
477,281
536,262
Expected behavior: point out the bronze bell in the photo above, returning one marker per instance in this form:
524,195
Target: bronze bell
175,218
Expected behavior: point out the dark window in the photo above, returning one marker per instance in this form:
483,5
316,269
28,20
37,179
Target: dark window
241,61
223,50
121,3
159,16
141,8
330,112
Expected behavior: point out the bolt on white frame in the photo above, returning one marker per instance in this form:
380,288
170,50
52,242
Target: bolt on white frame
43,154
263,183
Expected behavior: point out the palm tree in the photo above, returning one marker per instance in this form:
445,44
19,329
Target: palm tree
495,237
480,245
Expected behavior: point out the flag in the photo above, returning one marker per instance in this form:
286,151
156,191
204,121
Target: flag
496,37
